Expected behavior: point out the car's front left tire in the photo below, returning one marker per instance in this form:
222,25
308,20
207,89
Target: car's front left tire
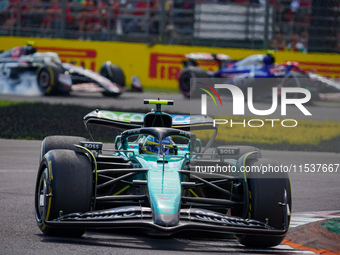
63,186
60,142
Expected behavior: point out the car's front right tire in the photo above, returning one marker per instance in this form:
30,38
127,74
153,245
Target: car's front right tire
269,198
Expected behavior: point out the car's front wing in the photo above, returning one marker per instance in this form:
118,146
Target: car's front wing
190,220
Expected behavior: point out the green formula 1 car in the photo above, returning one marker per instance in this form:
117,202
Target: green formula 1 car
158,177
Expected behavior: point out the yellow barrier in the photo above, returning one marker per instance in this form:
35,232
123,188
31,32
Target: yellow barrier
158,66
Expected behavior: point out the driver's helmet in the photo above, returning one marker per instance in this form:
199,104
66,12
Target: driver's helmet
151,145
269,58
30,49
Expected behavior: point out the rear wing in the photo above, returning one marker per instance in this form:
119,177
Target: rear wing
207,56
192,58
130,120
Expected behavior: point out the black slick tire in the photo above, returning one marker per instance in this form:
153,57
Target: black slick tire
188,89
60,142
113,72
63,186
266,202
47,79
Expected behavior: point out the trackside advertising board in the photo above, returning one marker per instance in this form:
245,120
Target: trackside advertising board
159,65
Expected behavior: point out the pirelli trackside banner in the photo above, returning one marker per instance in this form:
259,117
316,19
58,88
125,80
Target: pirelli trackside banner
158,66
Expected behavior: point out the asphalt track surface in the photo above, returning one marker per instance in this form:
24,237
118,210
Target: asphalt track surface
20,234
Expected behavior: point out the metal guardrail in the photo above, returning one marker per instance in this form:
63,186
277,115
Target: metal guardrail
310,25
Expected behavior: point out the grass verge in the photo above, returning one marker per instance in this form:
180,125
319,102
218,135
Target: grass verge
161,90
307,135
22,120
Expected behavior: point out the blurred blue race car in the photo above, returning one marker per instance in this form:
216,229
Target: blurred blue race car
258,71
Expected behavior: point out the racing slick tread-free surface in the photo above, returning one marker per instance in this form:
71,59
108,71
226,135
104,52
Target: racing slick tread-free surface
47,78
68,179
266,192
60,142
184,77
114,73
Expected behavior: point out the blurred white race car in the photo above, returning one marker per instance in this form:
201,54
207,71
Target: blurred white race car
50,76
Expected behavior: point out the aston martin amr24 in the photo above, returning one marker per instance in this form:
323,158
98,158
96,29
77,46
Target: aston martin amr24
157,176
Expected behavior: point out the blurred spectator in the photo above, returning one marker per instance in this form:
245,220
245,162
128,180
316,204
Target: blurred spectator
116,25
155,16
183,16
304,38
312,23
53,14
282,15
90,20
35,15
13,15
295,44
137,23
324,25
52,19
4,6
278,43
96,21
294,6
